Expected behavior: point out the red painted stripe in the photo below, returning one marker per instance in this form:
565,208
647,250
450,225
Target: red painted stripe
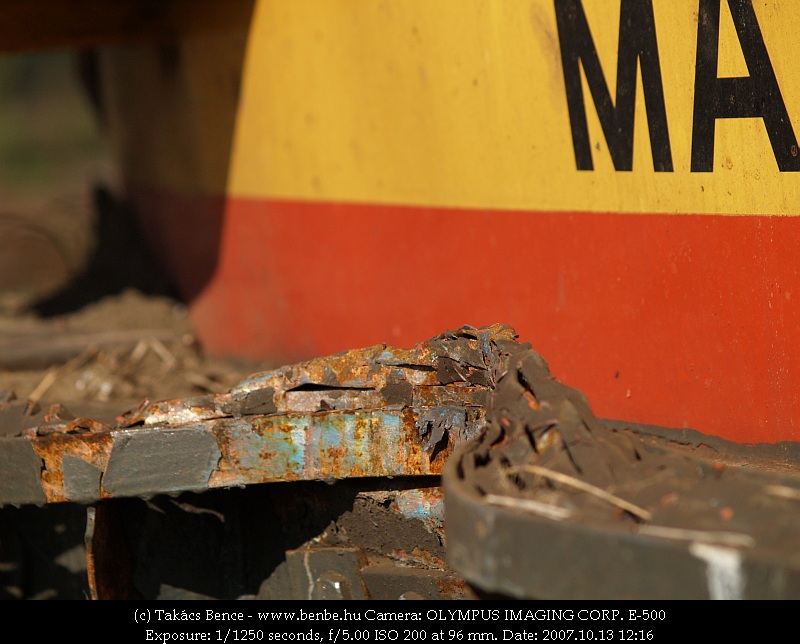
683,321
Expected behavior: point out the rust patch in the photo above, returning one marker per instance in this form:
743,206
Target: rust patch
93,449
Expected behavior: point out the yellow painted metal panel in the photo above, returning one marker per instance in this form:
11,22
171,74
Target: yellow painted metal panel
463,103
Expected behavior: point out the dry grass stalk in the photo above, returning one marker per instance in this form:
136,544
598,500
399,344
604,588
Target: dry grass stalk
577,484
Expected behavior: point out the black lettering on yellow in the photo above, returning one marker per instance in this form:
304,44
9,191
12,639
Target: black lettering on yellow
637,46
756,95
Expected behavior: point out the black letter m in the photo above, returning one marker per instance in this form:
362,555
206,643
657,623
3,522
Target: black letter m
637,44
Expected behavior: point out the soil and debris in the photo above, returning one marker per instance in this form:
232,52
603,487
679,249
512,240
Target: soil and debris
546,444
112,335
113,353
551,502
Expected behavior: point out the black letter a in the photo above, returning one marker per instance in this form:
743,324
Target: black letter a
756,95
637,44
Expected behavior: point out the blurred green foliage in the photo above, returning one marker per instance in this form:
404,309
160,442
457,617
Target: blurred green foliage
49,133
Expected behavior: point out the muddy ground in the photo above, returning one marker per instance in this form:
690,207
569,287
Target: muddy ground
116,351
113,333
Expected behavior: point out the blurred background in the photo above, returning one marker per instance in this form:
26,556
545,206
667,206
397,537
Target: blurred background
53,159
